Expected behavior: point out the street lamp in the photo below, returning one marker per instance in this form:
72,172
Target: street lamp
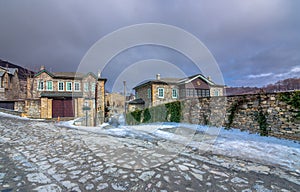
86,108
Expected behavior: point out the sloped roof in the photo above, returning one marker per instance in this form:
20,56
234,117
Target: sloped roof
192,78
137,102
68,75
177,81
164,81
22,72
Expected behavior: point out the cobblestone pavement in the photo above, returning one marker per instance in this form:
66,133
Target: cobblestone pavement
40,156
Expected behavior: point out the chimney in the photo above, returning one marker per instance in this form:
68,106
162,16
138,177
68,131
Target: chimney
209,78
99,73
157,76
42,67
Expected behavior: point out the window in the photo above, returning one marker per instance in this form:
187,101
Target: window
86,86
190,92
93,87
40,85
49,85
199,93
60,86
207,93
137,95
77,86
161,92
174,93
149,93
69,86
216,93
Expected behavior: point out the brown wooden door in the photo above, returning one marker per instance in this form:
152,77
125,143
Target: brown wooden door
62,108
68,108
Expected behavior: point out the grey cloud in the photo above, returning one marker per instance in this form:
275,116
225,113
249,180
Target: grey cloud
248,37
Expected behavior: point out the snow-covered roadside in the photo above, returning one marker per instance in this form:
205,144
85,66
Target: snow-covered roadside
12,116
233,143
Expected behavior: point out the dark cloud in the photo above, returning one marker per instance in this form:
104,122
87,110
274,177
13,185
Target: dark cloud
250,37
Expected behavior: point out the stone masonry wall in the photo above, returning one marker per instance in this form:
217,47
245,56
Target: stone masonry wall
33,108
244,112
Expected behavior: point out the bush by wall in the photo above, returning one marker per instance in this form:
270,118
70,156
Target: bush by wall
169,112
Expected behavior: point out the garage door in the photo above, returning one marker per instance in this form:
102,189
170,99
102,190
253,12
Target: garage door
7,105
62,108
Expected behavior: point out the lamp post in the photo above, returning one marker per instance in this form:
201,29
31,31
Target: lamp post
124,83
86,108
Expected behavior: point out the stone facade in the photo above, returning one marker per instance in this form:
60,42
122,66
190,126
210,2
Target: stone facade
156,100
10,84
75,91
190,87
33,108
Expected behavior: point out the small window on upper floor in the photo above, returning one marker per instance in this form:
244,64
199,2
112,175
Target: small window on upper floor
161,92
149,93
69,86
60,86
216,93
77,86
174,93
93,88
49,86
40,85
86,86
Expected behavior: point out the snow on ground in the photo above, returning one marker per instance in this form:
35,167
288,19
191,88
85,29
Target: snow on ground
12,116
233,143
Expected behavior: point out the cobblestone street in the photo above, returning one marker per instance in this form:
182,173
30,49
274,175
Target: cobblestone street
41,156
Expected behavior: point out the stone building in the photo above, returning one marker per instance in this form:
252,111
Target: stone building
9,83
13,82
165,90
66,94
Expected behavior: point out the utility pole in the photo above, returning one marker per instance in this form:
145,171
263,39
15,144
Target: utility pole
124,83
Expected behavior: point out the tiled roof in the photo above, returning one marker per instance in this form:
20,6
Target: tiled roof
177,81
68,75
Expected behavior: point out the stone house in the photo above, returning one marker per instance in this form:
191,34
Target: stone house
9,87
66,94
165,90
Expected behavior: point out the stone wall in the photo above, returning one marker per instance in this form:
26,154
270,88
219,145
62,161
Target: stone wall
258,113
33,108
100,102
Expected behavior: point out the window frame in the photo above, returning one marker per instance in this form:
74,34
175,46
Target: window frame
216,93
68,83
174,90
47,85
149,93
39,87
93,87
63,86
86,86
76,83
163,92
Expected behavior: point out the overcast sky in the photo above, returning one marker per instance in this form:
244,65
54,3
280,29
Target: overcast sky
253,41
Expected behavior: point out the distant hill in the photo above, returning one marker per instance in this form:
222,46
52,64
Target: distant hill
282,85
23,73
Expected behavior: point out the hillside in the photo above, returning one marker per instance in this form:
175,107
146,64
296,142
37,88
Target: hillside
289,84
